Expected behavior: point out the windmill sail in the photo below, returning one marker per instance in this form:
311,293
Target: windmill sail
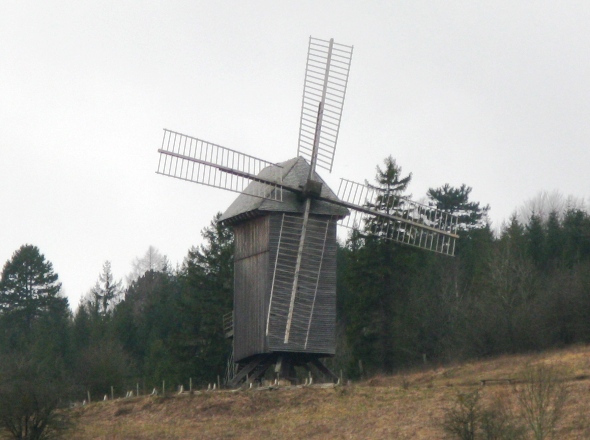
396,218
301,321
285,248
188,158
326,78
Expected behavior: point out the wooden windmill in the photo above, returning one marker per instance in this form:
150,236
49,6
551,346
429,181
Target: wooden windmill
284,223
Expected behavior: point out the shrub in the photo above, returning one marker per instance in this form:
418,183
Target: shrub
542,398
29,398
469,419
461,421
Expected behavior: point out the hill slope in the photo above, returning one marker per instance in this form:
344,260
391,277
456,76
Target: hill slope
403,406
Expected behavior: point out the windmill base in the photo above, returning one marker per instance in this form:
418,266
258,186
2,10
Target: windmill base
254,369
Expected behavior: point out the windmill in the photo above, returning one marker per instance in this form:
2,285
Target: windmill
284,223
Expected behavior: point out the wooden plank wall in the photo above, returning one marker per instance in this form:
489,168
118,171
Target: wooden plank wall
251,263
256,245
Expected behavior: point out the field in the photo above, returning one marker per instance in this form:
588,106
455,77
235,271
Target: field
411,405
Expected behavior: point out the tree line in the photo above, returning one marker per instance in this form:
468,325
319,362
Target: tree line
526,287
164,327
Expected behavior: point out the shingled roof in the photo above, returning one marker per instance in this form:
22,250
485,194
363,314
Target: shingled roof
294,174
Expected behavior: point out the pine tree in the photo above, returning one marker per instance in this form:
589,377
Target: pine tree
35,327
379,279
29,288
207,295
149,316
105,293
512,237
554,239
535,241
390,186
576,231
456,201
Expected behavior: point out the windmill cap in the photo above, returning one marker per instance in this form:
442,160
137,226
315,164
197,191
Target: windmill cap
295,174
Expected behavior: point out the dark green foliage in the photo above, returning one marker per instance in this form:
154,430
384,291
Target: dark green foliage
576,232
554,240
167,327
535,237
105,292
34,347
31,390
378,286
33,316
28,289
390,185
526,289
148,318
207,294
456,201
101,365
390,181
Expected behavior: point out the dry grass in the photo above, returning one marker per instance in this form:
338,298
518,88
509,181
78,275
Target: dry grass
403,406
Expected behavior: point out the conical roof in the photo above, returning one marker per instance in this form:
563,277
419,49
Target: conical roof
294,174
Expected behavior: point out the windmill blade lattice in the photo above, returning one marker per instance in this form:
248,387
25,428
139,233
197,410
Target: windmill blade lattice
188,158
291,317
396,218
285,252
326,78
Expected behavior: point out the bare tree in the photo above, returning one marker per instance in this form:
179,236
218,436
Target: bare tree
542,398
462,420
544,203
151,260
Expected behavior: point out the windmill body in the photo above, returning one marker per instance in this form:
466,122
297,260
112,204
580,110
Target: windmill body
267,235
284,224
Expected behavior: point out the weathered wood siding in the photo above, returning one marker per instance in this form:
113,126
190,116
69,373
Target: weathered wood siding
314,328
251,261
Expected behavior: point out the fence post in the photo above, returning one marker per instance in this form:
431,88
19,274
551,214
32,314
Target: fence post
112,393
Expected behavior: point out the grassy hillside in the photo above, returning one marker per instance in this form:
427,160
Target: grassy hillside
403,406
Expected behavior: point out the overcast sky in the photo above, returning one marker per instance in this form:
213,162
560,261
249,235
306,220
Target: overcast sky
495,95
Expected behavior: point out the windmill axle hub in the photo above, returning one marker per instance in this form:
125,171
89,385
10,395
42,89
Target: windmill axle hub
285,248
312,188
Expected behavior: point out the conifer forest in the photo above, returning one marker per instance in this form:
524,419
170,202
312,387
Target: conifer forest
524,286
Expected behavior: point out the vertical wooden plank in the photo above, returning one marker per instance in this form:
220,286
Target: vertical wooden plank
250,285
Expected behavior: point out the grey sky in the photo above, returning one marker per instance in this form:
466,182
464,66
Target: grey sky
492,94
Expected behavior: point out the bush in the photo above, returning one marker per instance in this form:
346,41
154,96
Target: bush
469,419
497,421
30,394
461,421
542,398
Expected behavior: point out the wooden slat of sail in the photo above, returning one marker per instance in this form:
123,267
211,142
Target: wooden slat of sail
326,68
405,221
195,160
313,319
